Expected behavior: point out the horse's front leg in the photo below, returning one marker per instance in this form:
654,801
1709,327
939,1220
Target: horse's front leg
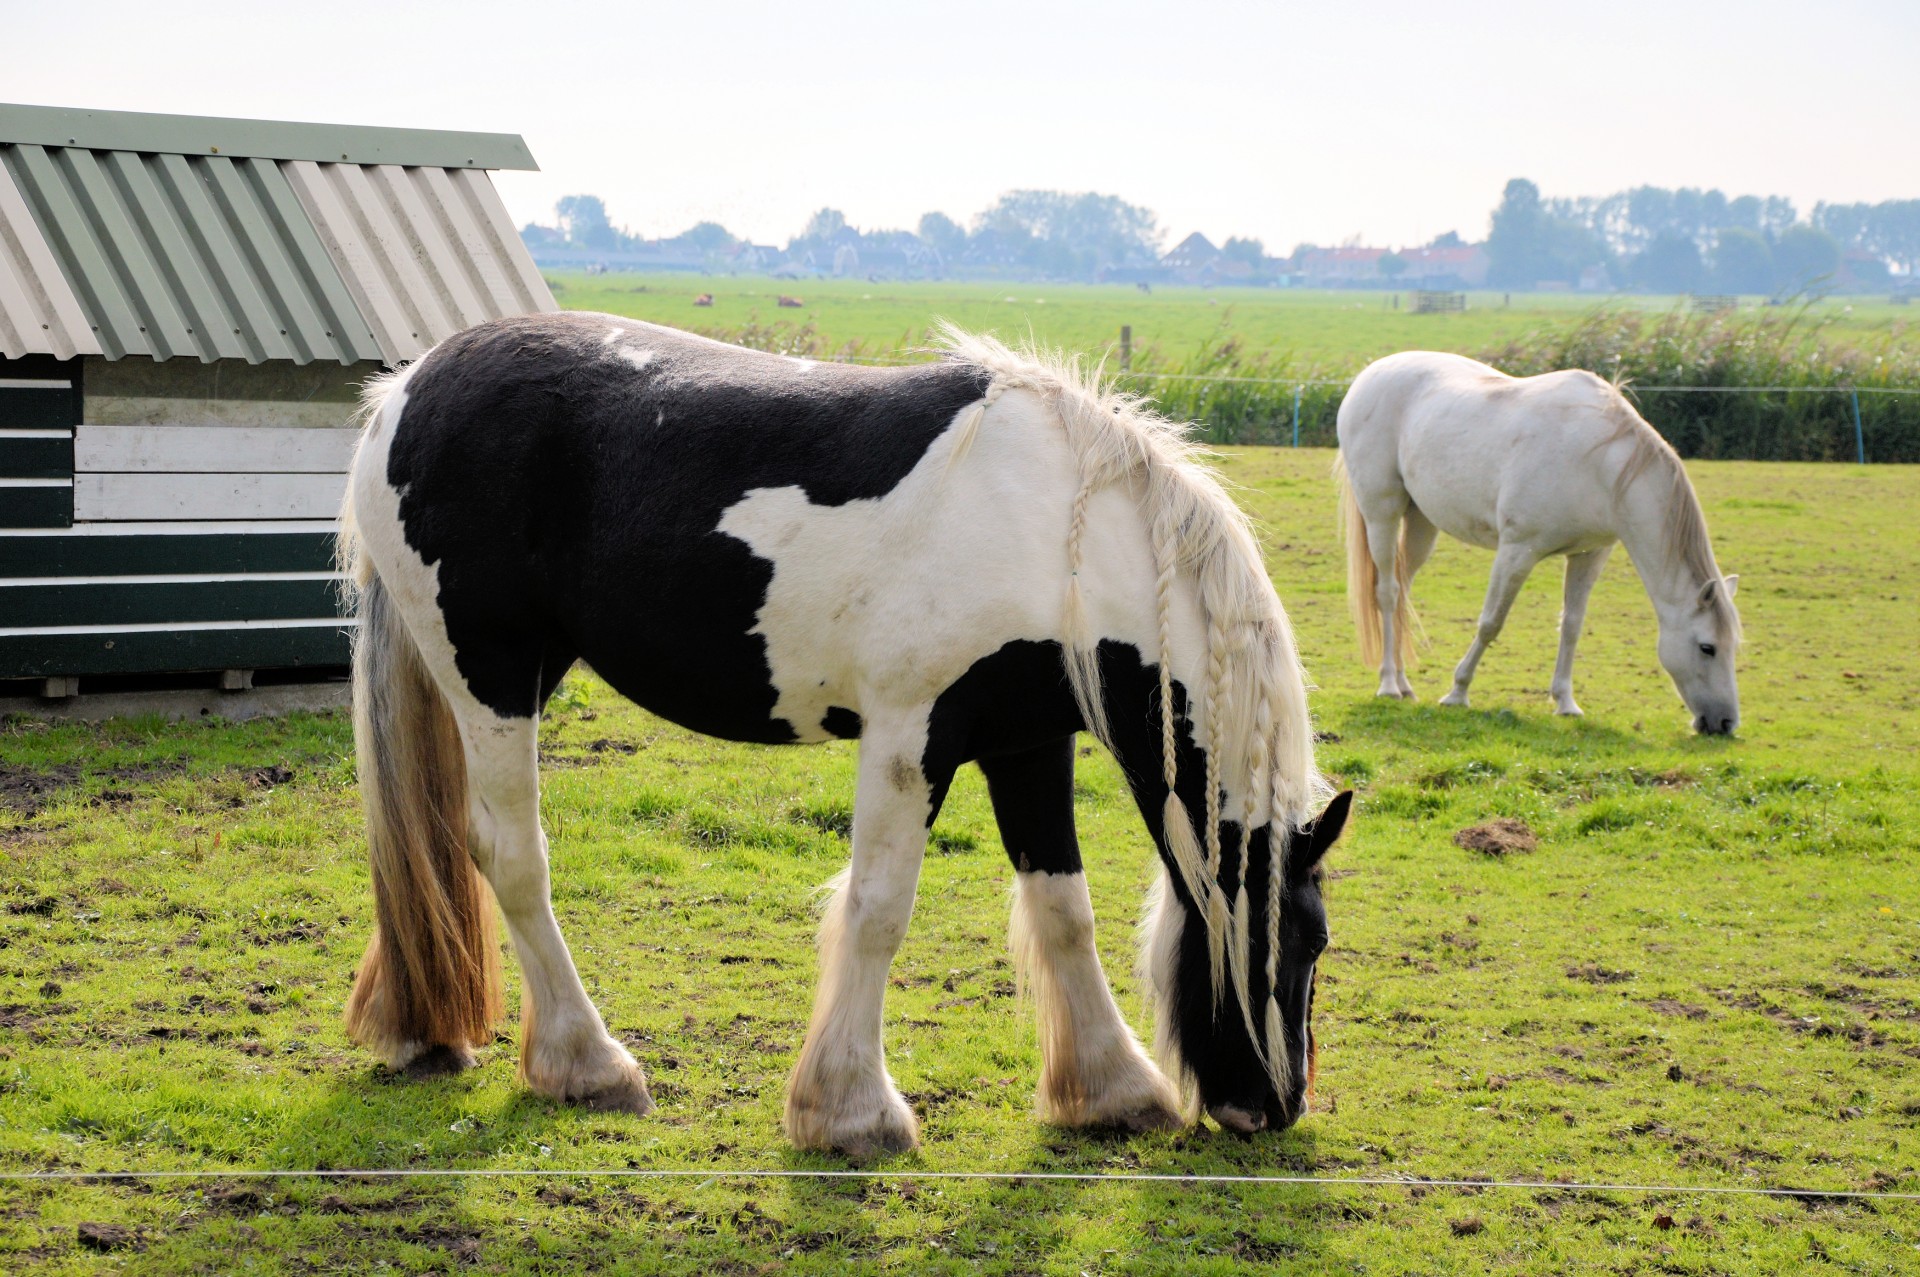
1582,571
840,1096
1511,564
1092,1071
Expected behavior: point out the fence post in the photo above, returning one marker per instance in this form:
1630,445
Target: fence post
1296,416
1126,348
1859,435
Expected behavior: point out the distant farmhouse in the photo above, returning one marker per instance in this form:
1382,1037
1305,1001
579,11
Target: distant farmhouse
1464,266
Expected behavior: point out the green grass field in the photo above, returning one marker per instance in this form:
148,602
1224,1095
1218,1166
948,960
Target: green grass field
1337,332
1707,974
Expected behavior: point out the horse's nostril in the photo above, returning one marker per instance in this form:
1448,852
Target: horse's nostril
1726,726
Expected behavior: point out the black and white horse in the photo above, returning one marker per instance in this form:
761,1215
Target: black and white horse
963,561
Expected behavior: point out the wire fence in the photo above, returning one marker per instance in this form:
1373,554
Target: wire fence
1300,385
716,1174
1279,418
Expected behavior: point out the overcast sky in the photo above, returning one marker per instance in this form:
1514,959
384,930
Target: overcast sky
1291,122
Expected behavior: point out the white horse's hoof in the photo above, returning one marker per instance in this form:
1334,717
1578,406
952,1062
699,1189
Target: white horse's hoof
602,1076
858,1121
893,1130
628,1095
1570,711
1455,697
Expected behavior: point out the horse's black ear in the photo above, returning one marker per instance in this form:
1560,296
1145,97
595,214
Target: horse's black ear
1324,830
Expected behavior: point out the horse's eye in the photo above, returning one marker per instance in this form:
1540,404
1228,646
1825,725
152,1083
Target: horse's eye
1707,649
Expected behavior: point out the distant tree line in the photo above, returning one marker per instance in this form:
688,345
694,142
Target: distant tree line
1688,240
1047,233
1650,238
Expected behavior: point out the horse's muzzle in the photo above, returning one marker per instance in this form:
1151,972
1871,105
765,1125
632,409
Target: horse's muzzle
1715,725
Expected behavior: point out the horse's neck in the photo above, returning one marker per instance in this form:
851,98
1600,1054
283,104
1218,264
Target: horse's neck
1671,582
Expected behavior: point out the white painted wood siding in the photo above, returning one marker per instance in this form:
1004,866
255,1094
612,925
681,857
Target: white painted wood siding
162,495
212,450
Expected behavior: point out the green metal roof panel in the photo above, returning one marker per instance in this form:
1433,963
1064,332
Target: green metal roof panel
425,251
57,126
39,315
202,255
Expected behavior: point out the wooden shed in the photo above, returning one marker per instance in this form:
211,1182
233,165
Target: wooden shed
187,309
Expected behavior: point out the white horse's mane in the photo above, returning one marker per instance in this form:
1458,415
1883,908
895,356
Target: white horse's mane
1686,524
1259,739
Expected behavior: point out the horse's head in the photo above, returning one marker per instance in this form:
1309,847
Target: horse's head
1224,1049
1698,641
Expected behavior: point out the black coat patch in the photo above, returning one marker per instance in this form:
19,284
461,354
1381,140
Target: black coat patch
842,722
570,498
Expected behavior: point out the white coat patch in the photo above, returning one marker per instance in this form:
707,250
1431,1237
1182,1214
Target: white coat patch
883,603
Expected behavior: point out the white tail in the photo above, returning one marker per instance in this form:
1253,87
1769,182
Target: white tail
1363,581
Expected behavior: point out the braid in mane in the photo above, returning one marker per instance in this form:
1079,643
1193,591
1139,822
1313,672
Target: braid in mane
1249,701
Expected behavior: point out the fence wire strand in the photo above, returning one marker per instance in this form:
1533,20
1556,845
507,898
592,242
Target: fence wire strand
1015,1177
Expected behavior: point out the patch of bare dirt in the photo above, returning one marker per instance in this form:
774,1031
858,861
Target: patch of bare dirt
1667,1006
1594,973
26,790
106,1237
1501,837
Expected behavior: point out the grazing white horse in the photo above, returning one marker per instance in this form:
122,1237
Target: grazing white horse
1528,467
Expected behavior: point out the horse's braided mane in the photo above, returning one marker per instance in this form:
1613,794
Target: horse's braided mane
1250,707
1686,524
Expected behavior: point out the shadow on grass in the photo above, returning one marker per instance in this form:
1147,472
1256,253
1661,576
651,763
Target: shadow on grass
1432,729
1022,1221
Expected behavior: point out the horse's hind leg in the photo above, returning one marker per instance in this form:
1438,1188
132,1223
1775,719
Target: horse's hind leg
1383,543
1511,564
565,1050
1093,1071
1417,537
1582,571
840,1096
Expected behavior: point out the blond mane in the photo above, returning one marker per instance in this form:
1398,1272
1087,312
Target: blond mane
1258,737
1685,529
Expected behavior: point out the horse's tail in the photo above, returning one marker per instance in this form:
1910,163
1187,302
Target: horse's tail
431,975
1363,580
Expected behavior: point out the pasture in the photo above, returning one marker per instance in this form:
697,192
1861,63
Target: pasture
1336,332
1704,974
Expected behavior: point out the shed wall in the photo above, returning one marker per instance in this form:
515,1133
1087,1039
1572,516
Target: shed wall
189,535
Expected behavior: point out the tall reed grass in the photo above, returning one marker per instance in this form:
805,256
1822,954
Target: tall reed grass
1769,384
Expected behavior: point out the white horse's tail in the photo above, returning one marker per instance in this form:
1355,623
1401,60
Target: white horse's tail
431,974
1363,580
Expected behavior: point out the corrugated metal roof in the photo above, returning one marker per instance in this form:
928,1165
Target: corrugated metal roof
426,251
190,255
259,139
39,315
222,256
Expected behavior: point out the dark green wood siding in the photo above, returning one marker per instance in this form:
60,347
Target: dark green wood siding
35,409
36,507
39,409
169,553
45,656
134,603
26,458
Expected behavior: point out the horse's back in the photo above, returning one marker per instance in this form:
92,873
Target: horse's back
565,477
1479,452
